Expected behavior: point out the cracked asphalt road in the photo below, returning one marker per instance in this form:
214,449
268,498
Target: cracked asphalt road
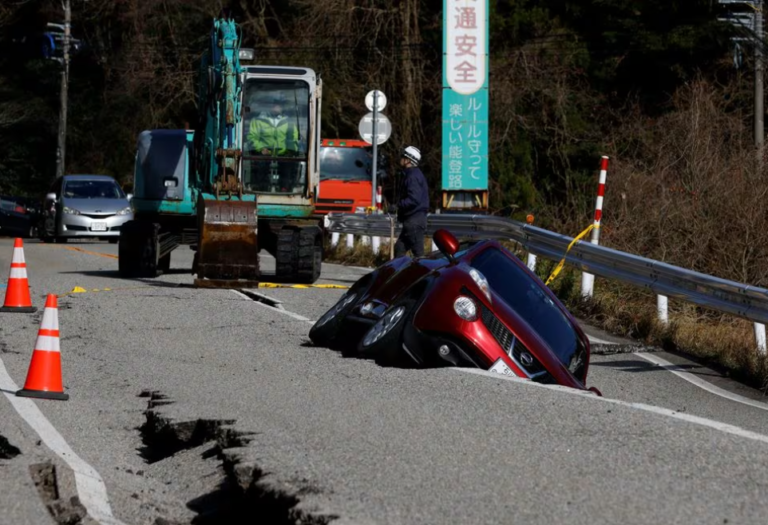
344,436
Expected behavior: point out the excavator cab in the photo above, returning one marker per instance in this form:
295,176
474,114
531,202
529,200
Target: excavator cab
280,142
245,179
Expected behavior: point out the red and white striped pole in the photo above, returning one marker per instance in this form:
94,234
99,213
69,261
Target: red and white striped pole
376,241
587,279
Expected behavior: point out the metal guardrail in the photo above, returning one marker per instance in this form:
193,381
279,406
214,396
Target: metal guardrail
664,279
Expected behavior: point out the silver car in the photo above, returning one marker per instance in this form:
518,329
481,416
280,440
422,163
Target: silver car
85,206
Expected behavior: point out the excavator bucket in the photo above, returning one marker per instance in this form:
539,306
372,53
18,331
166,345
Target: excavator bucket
228,250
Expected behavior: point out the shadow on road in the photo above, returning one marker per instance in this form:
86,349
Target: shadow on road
641,366
350,352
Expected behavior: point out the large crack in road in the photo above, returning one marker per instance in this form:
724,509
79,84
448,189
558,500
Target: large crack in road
63,511
246,491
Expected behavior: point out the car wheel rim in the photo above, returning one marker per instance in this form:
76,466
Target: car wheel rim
338,307
385,325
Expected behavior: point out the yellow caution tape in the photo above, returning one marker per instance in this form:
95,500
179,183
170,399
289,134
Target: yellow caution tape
562,261
80,289
276,285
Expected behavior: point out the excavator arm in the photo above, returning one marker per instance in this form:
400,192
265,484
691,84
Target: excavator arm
227,252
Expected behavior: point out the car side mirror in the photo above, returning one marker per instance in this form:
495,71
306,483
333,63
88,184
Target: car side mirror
50,197
447,243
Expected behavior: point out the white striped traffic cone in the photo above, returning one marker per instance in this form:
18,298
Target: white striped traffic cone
44,376
17,297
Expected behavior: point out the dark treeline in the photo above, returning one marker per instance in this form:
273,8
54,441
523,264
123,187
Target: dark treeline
651,83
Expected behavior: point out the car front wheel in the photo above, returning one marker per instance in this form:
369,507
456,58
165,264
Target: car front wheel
383,340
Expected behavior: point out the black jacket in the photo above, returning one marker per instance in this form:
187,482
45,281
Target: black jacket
413,193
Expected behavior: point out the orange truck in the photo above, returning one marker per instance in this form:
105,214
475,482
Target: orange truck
345,176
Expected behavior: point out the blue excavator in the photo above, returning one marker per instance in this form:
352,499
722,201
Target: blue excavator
245,179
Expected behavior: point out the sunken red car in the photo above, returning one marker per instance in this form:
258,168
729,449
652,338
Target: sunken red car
471,304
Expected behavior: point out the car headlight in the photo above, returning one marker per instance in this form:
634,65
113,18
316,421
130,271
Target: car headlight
481,282
124,211
465,308
70,211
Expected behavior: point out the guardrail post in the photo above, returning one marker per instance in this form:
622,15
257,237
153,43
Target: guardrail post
662,309
334,239
532,261
760,338
587,279
366,240
376,245
350,241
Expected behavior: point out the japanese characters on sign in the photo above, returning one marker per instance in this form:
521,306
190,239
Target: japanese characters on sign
466,55
465,95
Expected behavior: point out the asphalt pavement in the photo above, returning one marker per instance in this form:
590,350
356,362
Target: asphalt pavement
247,419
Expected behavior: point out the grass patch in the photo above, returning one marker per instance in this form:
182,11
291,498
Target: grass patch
723,342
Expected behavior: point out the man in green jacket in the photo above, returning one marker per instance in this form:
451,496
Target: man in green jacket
272,133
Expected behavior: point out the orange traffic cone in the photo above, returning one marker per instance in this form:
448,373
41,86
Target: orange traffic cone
44,376
17,293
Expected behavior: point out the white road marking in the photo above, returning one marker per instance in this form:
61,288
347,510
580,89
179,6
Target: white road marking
716,425
598,341
699,382
273,309
90,486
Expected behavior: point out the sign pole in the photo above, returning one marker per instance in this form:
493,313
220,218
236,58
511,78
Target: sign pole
375,143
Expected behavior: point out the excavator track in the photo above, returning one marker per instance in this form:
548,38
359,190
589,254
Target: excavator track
299,254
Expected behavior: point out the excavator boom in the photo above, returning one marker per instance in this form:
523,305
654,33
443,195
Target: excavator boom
227,252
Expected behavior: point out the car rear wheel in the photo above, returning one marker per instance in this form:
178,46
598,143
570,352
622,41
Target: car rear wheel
383,341
327,329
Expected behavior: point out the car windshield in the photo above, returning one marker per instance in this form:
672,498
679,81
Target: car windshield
275,135
527,299
92,189
350,164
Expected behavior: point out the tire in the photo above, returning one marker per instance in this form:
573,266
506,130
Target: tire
310,258
44,231
299,255
113,240
383,340
286,255
164,265
137,251
327,329
61,240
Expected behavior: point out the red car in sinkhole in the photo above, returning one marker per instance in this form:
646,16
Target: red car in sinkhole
470,304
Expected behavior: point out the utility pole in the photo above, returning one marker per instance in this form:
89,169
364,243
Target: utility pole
62,142
759,105
748,15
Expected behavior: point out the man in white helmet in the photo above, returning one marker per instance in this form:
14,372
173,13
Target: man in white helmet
413,204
